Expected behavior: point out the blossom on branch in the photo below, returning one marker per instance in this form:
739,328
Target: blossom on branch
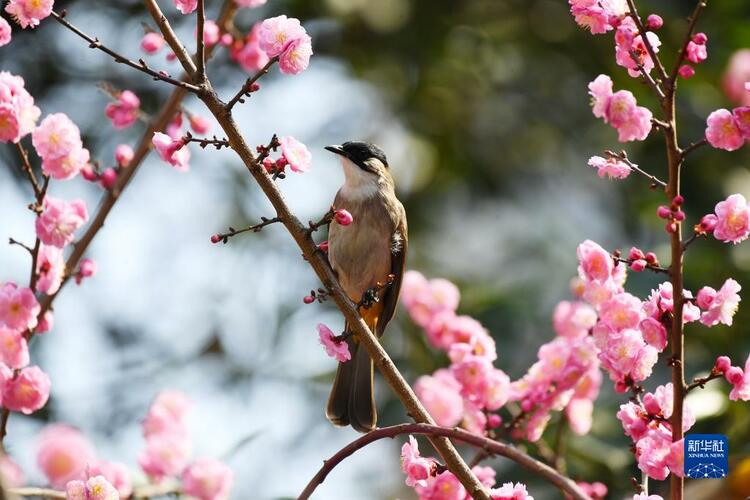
619,109
207,479
91,488
27,391
186,6
285,38
335,348
18,307
59,221
732,219
172,151
5,32
598,16
630,48
722,131
124,112
416,467
719,307
29,13
295,153
18,115
611,167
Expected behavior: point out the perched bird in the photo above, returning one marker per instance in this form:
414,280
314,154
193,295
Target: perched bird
364,254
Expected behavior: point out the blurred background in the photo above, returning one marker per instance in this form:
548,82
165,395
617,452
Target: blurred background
483,111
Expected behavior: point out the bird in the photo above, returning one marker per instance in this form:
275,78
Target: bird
369,251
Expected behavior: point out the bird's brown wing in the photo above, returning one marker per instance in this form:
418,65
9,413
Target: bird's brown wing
399,246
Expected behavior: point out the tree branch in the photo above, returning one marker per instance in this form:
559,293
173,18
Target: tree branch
320,265
623,156
642,31
200,51
702,381
224,237
141,65
247,87
565,484
693,146
26,167
171,38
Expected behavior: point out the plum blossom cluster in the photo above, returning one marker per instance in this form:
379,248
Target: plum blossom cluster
124,111
647,423
611,167
730,221
620,110
431,481
29,13
471,388
696,51
293,153
728,130
738,377
18,114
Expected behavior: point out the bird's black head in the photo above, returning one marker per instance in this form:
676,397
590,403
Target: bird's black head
360,153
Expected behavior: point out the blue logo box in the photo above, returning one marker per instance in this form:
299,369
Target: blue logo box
706,456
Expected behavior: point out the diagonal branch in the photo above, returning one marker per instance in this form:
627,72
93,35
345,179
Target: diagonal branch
649,48
320,265
200,51
623,156
489,446
171,38
247,87
141,65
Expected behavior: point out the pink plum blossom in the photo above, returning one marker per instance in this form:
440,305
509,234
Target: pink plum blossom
124,112
275,34
5,32
199,124
250,3
168,414
186,6
444,486
14,350
152,42
18,307
741,117
248,53
57,136
629,43
207,479
686,71
172,151
166,454
573,319
621,311
620,110
46,323
124,155
295,153
735,76
741,386
722,131
416,467
644,496
29,13
424,298
28,391
610,167
654,333
68,166
59,221
696,53
580,415
92,488
595,263
337,349
510,491
732,219
441,396
721,305
296,56
211,32
116,473
18,114
50,268
598,16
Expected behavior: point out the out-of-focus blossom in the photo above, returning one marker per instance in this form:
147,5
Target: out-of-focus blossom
296,154
441,396
124,112
250,3
426,298
416,467
29,13
596,490
573,319
741,383
46,323
166,454
207,479
152,42
14,349
168,414
11,472
735,76
686,71
59,221
50,268
186,6
211,33
116,473
172,151
5,32
510,491
124,155
335,348
610,167
199,124
91,488
18,114
248,53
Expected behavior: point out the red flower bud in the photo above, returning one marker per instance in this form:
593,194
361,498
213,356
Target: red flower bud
663,212
654,22
308,299
215,238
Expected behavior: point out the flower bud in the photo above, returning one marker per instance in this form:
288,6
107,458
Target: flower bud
651,258
654,22
636,253
199,124
663,212
215,238
700,38
678,200
734,375
638,265
705,297
109,178
670,227
309,299
226,40
152,43
679,215
323,246
123,155
651,404
343,217
686,71
723,363
708,223
493,420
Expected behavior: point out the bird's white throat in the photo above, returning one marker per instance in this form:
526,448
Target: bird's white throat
358,183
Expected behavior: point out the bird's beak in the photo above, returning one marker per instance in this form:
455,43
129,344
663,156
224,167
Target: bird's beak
336,149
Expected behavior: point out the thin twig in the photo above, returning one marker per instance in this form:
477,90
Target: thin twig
702,381
623,156
693,146
650,267
26,166
32,492
204,142
200,51
224,237
647,76
642,31
141,65
565,484
324,221
26,247
169,35
247,87
692,22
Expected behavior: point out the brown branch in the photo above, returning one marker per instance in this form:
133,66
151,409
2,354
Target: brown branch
171,38
320,265
650,267
324,221
159,123
141,65
702,381
646,76
693,146
247,87
204,142
142,492
26,167
692,22
200,51
565,484
224,237
32,492
623,156
642,31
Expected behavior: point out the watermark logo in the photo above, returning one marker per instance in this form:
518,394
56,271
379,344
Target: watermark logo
706,456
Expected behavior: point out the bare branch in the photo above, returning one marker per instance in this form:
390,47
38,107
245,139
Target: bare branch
224,237
141,65
702,381
693,146
491,447
247,87
200,51
171,38
623,156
